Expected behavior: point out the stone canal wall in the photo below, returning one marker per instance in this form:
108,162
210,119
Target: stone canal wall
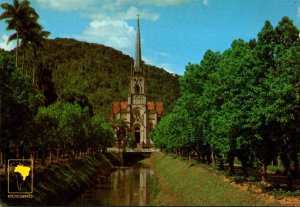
59,184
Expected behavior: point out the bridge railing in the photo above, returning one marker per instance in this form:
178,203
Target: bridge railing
115,149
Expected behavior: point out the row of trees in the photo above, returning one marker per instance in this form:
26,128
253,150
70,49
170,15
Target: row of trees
68,128
34,120
29,127
243,103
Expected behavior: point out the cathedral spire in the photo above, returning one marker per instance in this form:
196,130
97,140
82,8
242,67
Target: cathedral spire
138,54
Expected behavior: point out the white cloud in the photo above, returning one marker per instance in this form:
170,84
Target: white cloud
66,5
298,14
114,33
110,27
121,3
129,14
167,2
163,54
205,2
151,61
133,11
3,43
165,66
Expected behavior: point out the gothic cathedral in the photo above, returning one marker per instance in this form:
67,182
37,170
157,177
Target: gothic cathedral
140,115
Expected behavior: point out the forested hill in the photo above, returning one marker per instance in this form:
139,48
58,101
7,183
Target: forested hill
101,73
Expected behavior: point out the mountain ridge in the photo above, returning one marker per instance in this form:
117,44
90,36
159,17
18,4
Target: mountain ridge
101,73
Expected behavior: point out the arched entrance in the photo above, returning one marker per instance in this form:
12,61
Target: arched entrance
137,135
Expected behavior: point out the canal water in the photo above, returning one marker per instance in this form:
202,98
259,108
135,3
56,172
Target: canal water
125,186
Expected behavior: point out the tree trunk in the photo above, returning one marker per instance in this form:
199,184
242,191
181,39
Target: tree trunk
5,163
17,151
264,173
57,154
289,179
208,157
23,59
221,165
35,66
296,165
33,74
1,157
33,158
43,156
50,155
221,162
231,162
245,169
63,154
278,161
17,49
213,159
198,156
231,165
287,168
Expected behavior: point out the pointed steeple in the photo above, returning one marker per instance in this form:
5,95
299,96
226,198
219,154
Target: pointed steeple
138,54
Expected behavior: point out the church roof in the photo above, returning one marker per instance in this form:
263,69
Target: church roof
124,106
156,107
152,107
119,107
160,107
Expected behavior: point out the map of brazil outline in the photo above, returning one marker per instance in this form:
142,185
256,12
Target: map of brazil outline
21,168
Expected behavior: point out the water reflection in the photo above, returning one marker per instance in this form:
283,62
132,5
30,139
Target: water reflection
125,186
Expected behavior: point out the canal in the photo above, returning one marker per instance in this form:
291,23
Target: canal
125,186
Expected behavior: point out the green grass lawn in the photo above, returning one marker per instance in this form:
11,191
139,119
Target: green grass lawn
197,186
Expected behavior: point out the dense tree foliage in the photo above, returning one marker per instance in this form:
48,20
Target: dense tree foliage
32,128
69,128
19,104
101,73
242,103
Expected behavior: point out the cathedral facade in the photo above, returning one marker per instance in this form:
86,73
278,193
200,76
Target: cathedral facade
140,114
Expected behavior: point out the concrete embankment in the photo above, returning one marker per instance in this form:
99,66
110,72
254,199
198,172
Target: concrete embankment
184,183
59,184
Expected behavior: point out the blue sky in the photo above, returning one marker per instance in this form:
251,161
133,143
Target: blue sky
173,32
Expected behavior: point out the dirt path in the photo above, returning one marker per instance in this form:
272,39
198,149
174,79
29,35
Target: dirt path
272,178
286,201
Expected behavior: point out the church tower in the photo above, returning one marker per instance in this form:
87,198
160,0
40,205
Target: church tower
140,114
137,98
137,90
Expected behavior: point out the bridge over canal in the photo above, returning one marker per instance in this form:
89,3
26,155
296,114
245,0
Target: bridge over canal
134,155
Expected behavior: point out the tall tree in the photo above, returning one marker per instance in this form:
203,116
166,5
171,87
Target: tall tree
286,33
18,16
33,36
